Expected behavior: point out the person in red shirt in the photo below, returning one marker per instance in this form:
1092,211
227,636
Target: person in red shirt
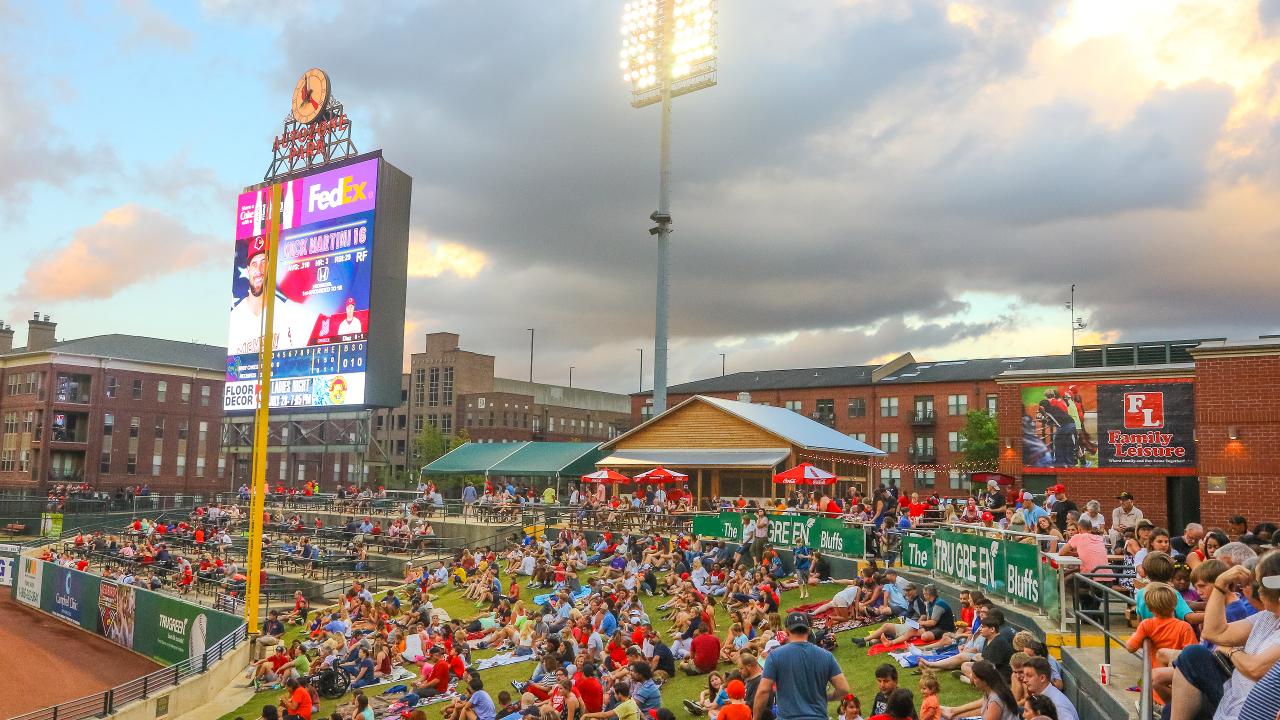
435,681
704,653
296,701
588,688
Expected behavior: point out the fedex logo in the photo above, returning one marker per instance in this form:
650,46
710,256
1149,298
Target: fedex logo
1143,410
347,191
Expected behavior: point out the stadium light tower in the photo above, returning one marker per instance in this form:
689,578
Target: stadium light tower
668,50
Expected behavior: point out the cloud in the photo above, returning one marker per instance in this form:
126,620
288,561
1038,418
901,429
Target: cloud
153,27
33,150
433,258
127,246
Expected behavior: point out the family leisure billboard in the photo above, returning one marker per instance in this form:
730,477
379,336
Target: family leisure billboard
338,317
1079,426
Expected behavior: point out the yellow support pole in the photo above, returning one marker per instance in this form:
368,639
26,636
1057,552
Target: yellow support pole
258,495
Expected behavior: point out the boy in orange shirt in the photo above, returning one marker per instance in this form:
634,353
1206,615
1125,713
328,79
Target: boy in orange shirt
930,706
736,708
1163,630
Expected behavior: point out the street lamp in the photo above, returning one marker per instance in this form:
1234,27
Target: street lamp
668,50
570,377
530,353
722,364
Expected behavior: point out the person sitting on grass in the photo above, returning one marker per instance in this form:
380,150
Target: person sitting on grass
735,708
296,701
704,652
998,647
707,702
435,674
270,669
909,609
625,709
997,701
930,705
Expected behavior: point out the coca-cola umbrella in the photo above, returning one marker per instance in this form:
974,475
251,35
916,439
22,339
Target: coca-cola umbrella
804,474
660,475
605,477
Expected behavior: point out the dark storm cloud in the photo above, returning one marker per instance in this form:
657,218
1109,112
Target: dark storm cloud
833,180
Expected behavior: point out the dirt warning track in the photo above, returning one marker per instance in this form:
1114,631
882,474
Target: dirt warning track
48,661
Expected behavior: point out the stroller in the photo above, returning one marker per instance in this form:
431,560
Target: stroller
331,682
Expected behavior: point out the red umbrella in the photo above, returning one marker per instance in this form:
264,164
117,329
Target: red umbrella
605,477
804,474
660,475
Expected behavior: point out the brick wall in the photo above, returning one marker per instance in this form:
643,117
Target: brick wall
1239,392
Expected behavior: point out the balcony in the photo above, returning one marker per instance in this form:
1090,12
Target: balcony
922,455
923,418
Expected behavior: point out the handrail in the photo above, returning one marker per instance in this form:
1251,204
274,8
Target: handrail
1104,627
108,701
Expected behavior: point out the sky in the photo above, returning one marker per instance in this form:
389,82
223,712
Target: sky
867,178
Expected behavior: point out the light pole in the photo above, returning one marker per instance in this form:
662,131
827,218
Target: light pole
641,351
570,377
1077,323
530,353
721,364
668,50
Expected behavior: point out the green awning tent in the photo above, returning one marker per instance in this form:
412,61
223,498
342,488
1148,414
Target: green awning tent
524,459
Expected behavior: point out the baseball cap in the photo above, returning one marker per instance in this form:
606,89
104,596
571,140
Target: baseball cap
1059,487
736,689
796,621
351,301
987,517
1126,495
1272,582
1027,496
257,246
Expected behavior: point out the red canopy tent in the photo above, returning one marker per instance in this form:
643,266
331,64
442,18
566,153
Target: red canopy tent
605,477
660,475
804,474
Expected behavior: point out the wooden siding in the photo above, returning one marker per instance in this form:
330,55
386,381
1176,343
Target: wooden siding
700,425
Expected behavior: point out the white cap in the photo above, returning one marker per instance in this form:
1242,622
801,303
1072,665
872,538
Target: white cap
1027,496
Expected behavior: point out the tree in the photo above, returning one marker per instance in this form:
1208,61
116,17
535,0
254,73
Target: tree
981,443
430,445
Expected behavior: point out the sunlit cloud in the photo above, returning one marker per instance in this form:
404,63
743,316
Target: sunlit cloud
433,258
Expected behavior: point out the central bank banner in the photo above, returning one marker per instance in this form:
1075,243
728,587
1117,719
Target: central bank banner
821,533
1000,568
161,627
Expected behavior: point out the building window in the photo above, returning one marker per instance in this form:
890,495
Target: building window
137,389
11,422
200,467
29,423
182,466
418,423
159,428
890,476
926,478
182,430
923,407
826,410
860,437
377,423
446,424
646,412
24,461
922,445
447,387
284,469
186,392
399,447
131,465
794,405
104,464
955,442
6,460
889,442
162,389
957,404
991,404
419,387
134,423
108,424
857,407
112,385
222,467
954,479
204,396
433,387
14,380
888,407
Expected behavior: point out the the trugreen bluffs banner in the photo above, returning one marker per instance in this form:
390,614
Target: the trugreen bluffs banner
821,533
1000,568
161,627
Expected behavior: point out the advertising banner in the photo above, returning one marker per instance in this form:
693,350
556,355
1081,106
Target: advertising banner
165,628
116,612
917,552
821,533
1109,425
67,590
6,570
322,307
30,582
1000,568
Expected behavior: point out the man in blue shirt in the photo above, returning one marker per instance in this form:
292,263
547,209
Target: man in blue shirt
645,691
608,623
799,672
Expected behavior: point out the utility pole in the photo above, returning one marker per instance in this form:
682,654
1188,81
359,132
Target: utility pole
721,364
641,351
530,353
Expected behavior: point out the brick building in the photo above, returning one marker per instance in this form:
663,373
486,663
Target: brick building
912,410
1235,430
455,390
109,410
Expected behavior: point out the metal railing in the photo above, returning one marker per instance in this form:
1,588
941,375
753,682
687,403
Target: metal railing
1086,584
106,702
